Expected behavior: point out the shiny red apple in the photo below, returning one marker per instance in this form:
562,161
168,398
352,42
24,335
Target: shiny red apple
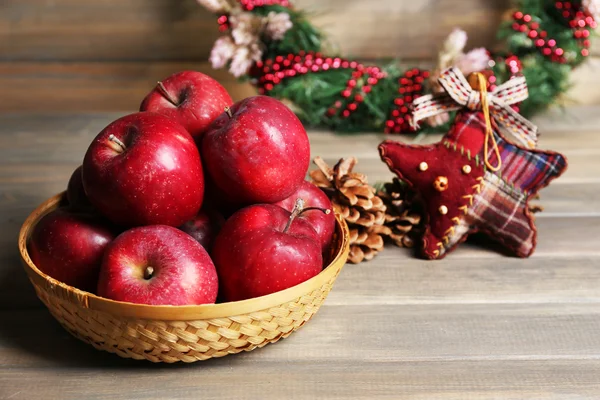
144,169
69,246
322,222
157,265
216,199
191,98
204,227
262,249
256,152
76,196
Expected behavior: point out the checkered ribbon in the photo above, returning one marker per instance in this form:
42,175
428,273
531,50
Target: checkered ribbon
459,94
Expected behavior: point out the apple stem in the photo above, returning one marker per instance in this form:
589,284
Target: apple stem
121,146
148,272
228,112
163,90
299,209
323,210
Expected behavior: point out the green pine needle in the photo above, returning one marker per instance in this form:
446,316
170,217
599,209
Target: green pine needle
311,95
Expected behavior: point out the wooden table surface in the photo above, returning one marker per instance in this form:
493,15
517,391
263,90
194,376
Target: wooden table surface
477,325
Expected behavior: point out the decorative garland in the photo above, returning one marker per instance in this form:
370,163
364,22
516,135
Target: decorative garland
275,46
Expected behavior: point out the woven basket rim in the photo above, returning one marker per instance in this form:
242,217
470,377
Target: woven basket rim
181,313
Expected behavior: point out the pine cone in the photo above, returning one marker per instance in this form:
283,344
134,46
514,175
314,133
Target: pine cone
357,203
403,216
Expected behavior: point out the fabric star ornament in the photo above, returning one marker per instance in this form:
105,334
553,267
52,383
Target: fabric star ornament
475,179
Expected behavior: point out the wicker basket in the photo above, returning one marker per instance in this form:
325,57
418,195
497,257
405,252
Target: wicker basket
180,333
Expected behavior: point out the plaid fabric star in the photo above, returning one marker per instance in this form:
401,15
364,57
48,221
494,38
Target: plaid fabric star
462,195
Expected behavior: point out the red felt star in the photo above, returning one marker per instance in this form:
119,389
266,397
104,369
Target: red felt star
463,195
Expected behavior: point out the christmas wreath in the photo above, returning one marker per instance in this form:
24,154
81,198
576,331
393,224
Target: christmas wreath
275,47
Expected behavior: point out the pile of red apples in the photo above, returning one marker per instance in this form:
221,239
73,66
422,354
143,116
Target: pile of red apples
190,200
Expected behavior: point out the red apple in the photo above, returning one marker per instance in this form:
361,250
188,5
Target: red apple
256,152
262,249
157,265
215,199
144,169
69,246
204,227
76,196
191,98
323,223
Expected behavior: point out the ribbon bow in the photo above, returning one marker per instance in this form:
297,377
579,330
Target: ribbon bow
459,94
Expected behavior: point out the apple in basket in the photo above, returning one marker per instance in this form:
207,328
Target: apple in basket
144,169
69,246
263,249
257,151
204,227
76,196
191,98
323,223
157,265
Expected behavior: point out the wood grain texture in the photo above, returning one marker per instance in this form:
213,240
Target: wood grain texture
477,272
73,56
161,30
77,87
477,325
71,30
399,333
119,86
366,379
158,30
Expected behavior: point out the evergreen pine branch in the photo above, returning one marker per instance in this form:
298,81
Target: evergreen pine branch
311,95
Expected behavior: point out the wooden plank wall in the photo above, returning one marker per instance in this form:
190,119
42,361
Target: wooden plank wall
104,55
